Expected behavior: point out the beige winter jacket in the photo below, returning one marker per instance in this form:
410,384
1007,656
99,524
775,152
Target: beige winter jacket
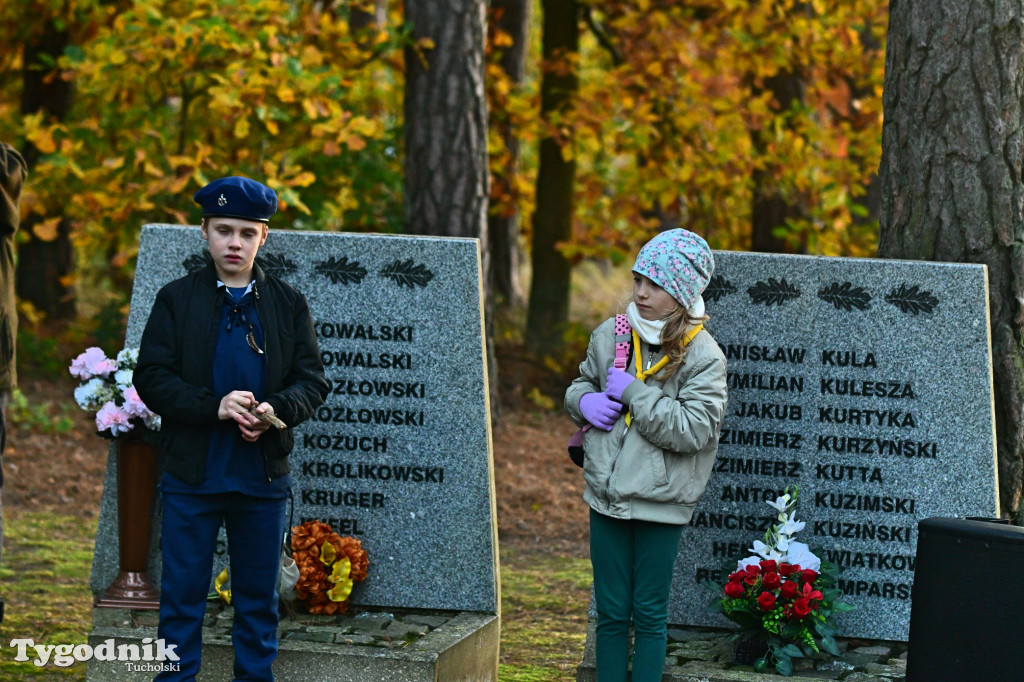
655,470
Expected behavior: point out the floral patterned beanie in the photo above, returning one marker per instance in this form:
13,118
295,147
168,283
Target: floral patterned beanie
678,261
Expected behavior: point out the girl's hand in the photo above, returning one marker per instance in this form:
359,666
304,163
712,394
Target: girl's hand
600,410
618,381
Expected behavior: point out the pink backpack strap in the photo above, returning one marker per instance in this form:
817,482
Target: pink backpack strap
623,338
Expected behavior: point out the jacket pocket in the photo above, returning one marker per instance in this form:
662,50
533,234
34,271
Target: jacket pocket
599,451
659,473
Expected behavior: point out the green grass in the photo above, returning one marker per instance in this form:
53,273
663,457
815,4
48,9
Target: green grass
543,616
44,578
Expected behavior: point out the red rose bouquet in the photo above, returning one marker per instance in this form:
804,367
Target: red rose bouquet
784,597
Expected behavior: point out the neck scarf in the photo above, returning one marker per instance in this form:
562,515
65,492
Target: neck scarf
650,330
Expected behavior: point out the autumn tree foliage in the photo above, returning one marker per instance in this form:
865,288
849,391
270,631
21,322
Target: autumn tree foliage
677,120
681,107
170,94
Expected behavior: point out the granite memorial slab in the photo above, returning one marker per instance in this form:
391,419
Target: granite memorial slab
399,456
867,383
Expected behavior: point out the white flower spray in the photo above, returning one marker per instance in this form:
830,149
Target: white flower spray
778,544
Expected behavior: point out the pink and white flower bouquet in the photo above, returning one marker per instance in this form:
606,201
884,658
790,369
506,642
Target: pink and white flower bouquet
107,389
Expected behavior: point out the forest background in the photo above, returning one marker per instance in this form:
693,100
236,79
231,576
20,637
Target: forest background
755,123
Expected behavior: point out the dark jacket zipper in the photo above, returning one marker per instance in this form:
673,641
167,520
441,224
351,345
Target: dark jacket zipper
266,366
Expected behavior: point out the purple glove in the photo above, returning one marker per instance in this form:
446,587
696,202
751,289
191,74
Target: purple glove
618,380
600,410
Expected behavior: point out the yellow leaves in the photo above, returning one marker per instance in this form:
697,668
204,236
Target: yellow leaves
502,39
179,184
355,143
312,57
241,130
40,135
303,179
285,94
46,230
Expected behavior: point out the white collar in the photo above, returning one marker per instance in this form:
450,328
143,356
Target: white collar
650,330
247,289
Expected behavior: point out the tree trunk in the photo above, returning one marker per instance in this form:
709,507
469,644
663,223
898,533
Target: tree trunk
369,14
770,210
871,200
446,181
552,218
44,267
446,173
513,17
952,146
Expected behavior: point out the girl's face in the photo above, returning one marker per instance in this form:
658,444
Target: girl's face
653,302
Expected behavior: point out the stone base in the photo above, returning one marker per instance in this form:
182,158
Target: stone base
368,647
706,655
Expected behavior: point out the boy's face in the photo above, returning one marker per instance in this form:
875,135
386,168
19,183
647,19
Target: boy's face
233,244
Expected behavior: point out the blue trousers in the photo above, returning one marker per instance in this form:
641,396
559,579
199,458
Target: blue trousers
255,528
633,562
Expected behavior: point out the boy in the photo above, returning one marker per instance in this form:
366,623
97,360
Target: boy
219,342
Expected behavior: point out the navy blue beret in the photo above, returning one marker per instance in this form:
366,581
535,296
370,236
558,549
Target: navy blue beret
237,197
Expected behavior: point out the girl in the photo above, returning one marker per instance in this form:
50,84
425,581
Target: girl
652,447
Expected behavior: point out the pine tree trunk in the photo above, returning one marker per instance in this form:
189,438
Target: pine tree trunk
503,228
446,121
770,210
951,185
44,267
446,173
552,218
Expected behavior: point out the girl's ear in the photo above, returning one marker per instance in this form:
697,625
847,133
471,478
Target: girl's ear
202,229
266,231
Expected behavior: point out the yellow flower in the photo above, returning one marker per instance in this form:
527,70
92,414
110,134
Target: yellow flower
328,554
218,584
341,570
340,577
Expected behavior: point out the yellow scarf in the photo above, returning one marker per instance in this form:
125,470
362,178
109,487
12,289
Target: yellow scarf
642,374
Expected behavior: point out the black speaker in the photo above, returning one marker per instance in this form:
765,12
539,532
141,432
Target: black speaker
967,602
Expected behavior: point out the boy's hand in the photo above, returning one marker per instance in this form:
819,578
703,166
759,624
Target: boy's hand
235,405
255,426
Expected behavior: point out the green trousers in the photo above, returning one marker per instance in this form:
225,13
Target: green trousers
633,562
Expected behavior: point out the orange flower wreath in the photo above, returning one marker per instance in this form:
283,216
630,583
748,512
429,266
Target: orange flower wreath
328,565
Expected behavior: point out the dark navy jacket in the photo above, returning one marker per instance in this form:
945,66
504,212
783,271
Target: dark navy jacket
174,375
